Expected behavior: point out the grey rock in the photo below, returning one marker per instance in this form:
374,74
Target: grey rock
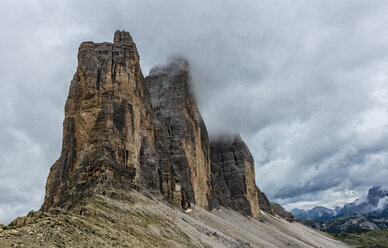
184,134
233,177
281,212
264,203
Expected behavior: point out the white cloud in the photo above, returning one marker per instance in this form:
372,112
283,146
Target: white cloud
382,204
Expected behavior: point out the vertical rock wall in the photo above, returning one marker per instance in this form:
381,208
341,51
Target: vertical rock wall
233,176
108,123
186,138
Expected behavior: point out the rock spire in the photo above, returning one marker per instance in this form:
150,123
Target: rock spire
108,122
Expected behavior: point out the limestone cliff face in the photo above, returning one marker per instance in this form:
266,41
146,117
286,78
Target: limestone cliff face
108,130
233,176
125,131
185,135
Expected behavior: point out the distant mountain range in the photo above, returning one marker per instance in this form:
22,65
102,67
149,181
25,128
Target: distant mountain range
349,224
317,213
364,214
375,203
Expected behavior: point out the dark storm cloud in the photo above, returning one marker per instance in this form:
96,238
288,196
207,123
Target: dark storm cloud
304,82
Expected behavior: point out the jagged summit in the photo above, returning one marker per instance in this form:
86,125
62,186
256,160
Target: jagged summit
108,121
122,37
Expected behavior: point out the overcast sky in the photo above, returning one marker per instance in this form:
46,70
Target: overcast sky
304,82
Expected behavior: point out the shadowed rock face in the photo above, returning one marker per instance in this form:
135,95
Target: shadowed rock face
125,131
233,176
281,212
186,138
264,203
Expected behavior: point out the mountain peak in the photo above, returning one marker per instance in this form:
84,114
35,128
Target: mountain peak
122,37
127,131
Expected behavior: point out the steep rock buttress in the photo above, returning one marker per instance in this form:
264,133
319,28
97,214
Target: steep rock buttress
233,176
186,139
107,123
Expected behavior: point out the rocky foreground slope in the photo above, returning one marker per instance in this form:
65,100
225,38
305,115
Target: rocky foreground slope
112,217
137,168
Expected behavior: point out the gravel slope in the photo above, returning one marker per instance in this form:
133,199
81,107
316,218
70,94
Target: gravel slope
117,218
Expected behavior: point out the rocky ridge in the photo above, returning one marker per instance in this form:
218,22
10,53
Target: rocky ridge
112,217
368,213
349,224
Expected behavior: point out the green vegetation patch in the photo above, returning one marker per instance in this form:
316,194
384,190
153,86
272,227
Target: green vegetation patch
368,239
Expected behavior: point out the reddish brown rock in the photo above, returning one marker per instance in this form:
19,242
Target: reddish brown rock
108,124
